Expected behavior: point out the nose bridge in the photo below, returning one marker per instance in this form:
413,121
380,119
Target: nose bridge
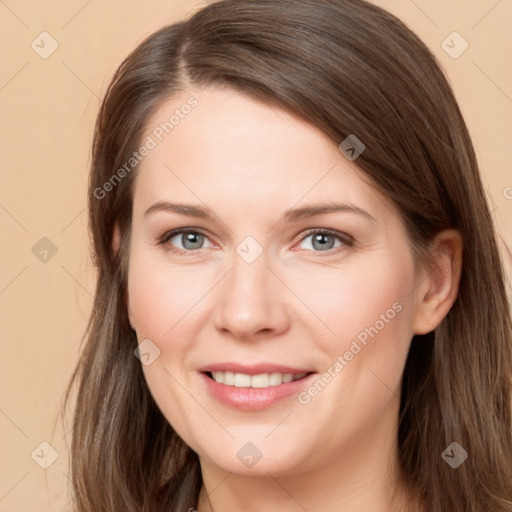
250,299
250,279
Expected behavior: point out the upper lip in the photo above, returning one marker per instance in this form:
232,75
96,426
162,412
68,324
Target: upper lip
253,369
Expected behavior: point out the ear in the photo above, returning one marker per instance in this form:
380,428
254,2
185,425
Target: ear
116,243
116,238
439,288
130,314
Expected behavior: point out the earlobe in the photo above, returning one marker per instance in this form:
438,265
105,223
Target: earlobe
439,288
130,314
116,238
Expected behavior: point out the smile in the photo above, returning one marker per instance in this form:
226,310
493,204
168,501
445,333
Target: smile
253,387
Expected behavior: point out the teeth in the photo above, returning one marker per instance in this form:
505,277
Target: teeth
263,380
276,379
260,381
242,380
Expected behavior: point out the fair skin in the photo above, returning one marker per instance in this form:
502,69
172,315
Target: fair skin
300,303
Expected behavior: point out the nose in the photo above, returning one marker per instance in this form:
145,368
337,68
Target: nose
250,302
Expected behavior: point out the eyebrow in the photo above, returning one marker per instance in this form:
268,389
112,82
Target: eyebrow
290,215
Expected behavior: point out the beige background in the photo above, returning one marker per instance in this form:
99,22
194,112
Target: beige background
48,107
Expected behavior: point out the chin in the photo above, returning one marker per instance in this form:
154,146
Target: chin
256,456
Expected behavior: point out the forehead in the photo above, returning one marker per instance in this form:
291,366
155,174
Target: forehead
230,149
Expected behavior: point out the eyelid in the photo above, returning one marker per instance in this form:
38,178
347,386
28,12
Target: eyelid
344,237
347,241
179,231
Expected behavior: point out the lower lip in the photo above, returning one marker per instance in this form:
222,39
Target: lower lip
253,399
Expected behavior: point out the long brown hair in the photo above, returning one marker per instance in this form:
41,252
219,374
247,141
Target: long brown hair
345,66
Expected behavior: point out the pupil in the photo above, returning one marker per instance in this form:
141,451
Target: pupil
321,238
192,238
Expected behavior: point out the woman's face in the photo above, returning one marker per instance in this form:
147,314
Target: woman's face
288,264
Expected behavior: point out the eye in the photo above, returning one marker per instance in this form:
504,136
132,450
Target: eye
324,240
184,241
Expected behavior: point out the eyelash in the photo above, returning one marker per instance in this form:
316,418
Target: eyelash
346,240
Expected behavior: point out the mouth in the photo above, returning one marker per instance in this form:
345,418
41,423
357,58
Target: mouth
253,388
259,381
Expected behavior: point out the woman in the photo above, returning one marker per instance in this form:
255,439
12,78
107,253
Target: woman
300,301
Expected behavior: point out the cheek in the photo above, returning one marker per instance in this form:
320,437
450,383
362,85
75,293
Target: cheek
370,311
165,303
163,299
357,301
